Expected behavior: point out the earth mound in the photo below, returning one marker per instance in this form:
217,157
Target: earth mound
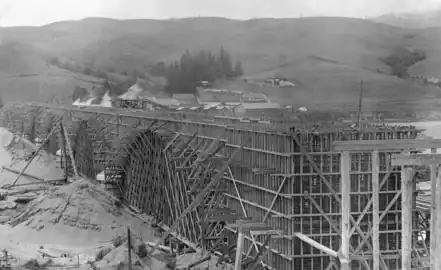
80,205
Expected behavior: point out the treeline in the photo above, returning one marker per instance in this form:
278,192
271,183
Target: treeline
183,75
401,59
102,73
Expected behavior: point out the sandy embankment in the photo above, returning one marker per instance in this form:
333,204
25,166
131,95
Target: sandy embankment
73,219
71,223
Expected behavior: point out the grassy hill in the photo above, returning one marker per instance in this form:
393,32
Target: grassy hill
326,57
25,75
429,40
329,83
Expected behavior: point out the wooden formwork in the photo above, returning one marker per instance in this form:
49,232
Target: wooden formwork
289,180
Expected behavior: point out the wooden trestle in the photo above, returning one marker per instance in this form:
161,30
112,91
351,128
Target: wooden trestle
326,213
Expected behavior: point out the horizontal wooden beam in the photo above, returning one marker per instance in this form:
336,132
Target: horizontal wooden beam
369,145
415,159
317,245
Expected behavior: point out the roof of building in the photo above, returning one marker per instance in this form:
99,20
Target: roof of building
219,97
185,98
255,98
166,101
260,106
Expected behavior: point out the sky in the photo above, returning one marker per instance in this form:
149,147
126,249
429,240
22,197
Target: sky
40,12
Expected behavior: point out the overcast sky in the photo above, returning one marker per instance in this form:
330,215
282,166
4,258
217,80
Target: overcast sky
40,12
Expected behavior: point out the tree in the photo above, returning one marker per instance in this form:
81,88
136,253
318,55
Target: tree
159,69
183,75
79,92
238,69
225,63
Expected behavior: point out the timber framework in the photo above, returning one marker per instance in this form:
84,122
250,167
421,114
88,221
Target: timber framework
302,198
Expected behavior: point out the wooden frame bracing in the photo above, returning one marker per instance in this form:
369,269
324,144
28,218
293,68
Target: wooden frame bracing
289,181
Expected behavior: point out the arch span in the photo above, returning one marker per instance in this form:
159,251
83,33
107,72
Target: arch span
163,174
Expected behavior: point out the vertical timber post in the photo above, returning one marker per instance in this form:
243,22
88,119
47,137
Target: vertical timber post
406,218
345,168
64,154
407,196
433,216
437,232
129,246
239,248
376,209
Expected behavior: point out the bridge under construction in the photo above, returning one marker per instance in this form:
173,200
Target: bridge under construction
278,196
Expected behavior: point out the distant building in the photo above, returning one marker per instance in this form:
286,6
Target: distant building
279,82
219,96
255,98
257,110
433,80
203,84
169,102
186,99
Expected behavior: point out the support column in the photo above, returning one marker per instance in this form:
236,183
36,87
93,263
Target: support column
433,216
345,170
376,209
437,232
239,248
406,218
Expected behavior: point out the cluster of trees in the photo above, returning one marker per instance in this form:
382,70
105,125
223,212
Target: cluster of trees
402,58
183,75
72,66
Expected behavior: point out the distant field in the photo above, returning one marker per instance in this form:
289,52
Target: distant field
25,75
325,57
41,87
323,82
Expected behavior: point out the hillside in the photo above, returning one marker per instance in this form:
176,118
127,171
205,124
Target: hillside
426,19
430,40
329,83
25,75
326,57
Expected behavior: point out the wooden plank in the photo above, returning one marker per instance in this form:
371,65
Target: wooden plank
433,217
345,167
262,251
376,209
239,249
24,174
369,145
437,232
200,197
36,153
219,211
406,218
317,245
415,159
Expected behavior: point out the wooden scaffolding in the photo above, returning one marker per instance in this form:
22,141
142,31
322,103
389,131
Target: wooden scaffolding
294,182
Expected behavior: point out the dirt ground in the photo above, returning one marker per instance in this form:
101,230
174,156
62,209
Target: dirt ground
68,225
